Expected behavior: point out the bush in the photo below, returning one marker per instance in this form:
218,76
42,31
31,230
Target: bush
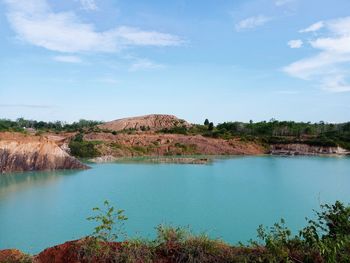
83,149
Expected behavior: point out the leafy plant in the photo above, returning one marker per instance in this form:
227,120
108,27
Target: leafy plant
330,232
110,223
276,240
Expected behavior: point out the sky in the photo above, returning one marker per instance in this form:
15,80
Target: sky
225,60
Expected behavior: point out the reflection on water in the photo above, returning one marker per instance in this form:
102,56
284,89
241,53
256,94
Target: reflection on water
14,182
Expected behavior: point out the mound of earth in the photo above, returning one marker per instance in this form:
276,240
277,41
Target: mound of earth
153,122
148,144
20,152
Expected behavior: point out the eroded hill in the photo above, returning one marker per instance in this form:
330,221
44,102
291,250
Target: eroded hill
153,122
20,152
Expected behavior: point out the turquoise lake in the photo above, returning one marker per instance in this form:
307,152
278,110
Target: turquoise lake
228,198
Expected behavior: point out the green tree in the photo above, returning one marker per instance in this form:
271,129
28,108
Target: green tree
206,122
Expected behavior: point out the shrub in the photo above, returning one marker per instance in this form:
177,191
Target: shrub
83,149
111,222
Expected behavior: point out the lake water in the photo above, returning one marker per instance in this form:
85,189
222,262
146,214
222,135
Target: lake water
228,198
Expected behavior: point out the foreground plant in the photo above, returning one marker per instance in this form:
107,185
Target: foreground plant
110,228
325,239
111,223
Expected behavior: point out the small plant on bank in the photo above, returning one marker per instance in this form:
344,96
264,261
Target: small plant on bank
110,227
111,223
276,240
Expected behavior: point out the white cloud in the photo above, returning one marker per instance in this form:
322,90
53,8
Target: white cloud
297,43
283,2
135,36
89,5
331,65
67,59
35,23
336,83
252,22
33,106
145,64
313,28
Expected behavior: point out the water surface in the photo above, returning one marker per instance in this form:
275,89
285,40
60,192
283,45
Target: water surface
228,198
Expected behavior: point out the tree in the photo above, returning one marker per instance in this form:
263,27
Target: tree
206,122
211,126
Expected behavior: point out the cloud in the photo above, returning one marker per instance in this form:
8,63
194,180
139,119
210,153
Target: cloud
35,23
297,43
313,28
252,22
283,2
67,59
26,106
336,83
330,66
145,64
89,5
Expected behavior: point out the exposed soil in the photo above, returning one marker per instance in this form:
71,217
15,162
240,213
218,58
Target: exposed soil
153,144
151,122
21,152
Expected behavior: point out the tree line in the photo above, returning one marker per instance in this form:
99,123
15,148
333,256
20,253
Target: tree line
22,124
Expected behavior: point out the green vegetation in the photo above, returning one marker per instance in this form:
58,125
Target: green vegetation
83,149
175,130
58,126
274,132
111,222
265,132
325,239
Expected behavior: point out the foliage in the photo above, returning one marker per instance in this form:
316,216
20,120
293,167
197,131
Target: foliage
111,222
319,134
83,149
22,124
324,240
276,240
175,130
330,232
274,132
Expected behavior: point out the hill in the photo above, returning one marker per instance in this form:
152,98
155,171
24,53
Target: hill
153,122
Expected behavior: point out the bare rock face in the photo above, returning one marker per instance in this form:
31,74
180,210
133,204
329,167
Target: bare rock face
153,122
304,149
30,153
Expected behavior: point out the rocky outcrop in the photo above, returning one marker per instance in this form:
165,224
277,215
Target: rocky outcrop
304,149
20,152
153,122
179,160
104,159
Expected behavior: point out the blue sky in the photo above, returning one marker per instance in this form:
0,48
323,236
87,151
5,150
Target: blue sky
219,59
